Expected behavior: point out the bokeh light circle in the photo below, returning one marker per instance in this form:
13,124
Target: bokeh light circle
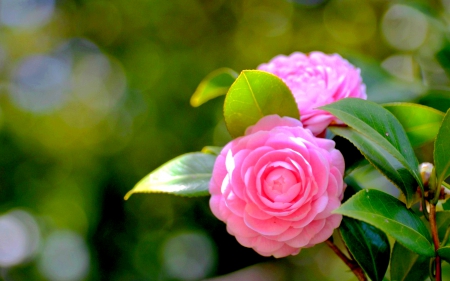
188,256
26,13
404,27
19,237
65,257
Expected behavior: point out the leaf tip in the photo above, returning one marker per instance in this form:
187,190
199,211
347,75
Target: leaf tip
127,196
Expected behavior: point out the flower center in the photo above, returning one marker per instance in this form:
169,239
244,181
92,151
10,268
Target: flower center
278,183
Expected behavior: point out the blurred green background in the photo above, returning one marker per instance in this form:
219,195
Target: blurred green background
94,95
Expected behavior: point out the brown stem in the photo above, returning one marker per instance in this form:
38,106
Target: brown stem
434,233
354,266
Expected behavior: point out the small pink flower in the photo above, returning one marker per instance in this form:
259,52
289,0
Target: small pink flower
315,80
276,187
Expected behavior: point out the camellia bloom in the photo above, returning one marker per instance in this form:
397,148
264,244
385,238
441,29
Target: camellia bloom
315,80
276,187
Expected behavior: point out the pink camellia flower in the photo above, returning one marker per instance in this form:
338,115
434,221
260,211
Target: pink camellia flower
276,187
315,80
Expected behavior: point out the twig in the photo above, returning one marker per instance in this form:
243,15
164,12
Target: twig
354,266
434,233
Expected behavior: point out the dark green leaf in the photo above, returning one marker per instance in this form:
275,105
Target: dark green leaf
381,127
421,123
186,175
254,95
442,150
444,252
368,245
407,265
213,85
214,150
446,205
391,216
382,160
442,223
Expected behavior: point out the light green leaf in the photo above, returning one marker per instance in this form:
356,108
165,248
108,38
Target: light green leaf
213,85
442,150
420,122
379,125
391,216
407,265
254,95
382,160
185,175
368,245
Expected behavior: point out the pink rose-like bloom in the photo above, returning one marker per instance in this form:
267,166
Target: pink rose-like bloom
315,80
276,187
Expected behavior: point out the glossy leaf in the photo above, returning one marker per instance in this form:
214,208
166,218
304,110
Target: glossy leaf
382,160
446,205
368,245
444,253
254,95
407,265
391,216
421,123
186,175
442,150
381,127
442,223
213,85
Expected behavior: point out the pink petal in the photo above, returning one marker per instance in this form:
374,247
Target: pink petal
252,210
286,250
333,204
265,245
237,227
272,226
287,235
234,203
246,241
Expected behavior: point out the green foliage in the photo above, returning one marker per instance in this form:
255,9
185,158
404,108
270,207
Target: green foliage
253,95
442,151
391,216
382,160
442,223
444,253
385,134
407,265
213,85
421,123
185,175
368,245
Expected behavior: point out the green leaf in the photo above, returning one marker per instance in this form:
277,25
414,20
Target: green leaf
382,160
214,150
379,125
421,123
442,223
368,245
407,265
391,216
213,85
442,150
254,95
446,205
185,175
444,252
